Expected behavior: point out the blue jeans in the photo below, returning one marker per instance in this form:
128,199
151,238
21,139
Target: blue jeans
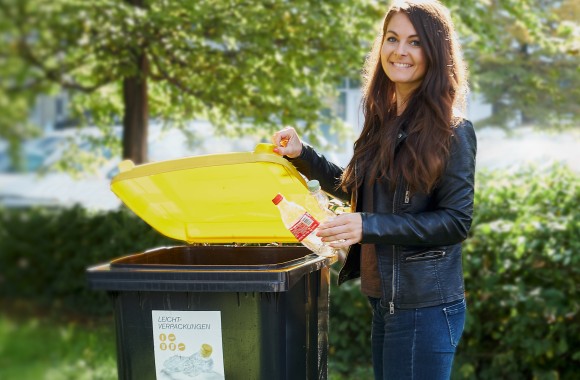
415,344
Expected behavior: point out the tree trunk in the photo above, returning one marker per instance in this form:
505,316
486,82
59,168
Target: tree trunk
135,120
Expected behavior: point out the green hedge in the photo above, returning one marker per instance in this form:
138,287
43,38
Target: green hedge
44,253
522,269
521,264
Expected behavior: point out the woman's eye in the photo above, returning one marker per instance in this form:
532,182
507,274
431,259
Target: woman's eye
391,39
415,43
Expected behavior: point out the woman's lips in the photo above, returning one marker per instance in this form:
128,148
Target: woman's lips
401,65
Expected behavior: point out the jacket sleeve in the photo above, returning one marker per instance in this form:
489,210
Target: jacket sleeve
315,166
449,220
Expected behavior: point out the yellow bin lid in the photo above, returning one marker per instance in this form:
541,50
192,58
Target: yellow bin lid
217,198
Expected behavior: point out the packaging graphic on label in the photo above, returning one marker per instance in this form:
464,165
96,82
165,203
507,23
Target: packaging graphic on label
188,345
304,226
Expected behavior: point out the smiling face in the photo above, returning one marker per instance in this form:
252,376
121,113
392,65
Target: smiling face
402,56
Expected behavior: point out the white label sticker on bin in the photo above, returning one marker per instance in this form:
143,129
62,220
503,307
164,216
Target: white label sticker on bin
188,344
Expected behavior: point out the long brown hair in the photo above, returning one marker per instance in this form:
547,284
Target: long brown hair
429,115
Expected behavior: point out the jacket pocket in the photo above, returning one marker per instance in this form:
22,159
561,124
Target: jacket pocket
429,276
427,255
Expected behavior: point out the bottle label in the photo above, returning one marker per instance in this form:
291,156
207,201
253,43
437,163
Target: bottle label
304,226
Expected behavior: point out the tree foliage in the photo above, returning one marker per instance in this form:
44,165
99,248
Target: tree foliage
249,67
524,59
234,63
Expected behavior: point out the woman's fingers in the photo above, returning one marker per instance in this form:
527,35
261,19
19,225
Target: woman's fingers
342,243
341,231
287,143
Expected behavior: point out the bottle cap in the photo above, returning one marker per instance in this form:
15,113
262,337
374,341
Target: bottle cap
277,199
313,185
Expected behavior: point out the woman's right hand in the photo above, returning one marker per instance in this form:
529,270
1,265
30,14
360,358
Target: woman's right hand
287,143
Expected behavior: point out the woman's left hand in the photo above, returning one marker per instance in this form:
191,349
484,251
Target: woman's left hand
342,231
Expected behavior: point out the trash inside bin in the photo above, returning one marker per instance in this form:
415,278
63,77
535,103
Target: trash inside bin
225,305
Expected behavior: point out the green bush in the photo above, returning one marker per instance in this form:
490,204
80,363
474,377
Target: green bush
44,253
350,333
521,265
522,273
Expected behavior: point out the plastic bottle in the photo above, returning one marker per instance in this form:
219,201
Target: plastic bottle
322,203
317,201
302,225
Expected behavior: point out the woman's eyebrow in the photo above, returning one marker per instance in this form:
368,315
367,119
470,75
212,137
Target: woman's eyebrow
396,34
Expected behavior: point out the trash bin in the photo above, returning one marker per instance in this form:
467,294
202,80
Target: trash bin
231,303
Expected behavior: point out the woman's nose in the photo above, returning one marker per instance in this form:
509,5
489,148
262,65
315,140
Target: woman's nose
401,49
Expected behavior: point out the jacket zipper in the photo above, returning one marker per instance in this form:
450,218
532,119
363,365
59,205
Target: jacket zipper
392,302
406,200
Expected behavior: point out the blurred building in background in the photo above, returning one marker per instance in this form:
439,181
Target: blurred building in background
38,183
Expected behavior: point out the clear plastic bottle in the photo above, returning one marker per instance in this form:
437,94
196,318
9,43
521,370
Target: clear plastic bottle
317,201
302,225
322,203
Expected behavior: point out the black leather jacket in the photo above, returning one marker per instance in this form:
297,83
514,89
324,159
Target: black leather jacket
417,236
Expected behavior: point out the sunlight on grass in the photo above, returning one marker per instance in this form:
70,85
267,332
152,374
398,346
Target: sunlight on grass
35,348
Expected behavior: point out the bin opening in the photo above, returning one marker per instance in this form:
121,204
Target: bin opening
216,257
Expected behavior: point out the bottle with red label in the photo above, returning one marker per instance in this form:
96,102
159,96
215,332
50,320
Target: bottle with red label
302,225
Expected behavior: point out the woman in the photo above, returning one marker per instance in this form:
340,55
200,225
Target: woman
411,184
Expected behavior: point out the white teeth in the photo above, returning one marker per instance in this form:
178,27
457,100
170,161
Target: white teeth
402,65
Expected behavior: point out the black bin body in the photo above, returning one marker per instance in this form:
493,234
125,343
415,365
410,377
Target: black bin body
274,304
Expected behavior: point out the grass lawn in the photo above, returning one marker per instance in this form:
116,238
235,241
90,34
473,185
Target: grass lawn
37,347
